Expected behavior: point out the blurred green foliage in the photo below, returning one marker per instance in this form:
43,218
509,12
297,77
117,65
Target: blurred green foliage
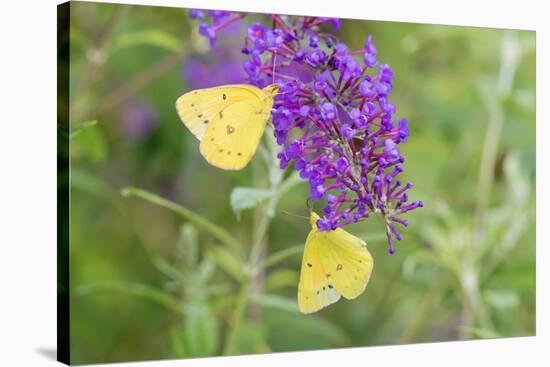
167,272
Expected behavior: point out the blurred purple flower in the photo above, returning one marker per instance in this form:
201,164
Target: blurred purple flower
205,72
212,21
138,119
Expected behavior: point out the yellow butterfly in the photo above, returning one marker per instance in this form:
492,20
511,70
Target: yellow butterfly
335,263
229,121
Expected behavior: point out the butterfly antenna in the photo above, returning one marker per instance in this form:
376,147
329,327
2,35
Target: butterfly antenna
285,212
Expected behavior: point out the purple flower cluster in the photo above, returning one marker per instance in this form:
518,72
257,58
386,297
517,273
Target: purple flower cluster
333,119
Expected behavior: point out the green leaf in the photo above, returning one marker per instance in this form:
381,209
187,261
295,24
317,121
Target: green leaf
198,220
200,332
187,248
169,270
75,131
151,37
227,261
205,271
278,302
177,340
88,141
503,300
247,197
134,289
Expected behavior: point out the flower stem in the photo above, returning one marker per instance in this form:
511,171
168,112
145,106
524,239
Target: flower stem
264,215
242,300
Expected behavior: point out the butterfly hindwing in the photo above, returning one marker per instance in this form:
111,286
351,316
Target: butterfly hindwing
347,260
335,263
314,289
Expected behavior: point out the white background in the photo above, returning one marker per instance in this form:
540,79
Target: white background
28,182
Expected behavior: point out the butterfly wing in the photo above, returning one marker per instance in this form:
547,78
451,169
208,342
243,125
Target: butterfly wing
198,108
315,291
346,260
233,136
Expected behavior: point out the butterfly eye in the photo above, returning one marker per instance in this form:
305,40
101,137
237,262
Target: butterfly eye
224,97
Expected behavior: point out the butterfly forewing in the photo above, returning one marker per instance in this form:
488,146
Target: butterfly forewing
315,290
198,108
234,134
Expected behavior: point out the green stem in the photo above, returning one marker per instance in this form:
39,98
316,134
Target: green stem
260,230
259,234
242,300
244,294
201,222
246,285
